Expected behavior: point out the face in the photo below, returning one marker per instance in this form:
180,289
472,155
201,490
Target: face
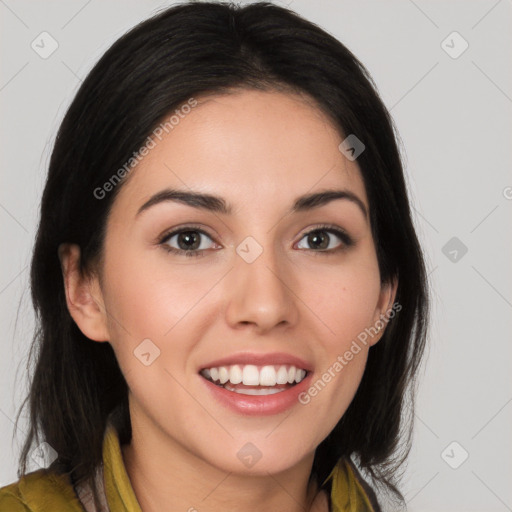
243,286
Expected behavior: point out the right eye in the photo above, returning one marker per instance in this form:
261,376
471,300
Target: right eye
188,241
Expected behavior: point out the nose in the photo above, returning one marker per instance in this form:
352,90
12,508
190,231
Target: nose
261,294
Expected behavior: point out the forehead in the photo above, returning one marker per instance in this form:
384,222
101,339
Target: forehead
252,147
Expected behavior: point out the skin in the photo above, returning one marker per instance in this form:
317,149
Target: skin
258,150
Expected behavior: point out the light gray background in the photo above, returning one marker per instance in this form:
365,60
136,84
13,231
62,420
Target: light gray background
454,117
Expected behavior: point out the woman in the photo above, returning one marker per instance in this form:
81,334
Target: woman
231,297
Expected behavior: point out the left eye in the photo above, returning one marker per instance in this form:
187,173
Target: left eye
321,239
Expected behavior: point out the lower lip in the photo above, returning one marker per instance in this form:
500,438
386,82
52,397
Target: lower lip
258,405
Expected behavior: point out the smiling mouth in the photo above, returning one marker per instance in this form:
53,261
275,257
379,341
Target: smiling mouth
255,380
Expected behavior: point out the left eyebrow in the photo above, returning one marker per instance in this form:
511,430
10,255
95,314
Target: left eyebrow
220,205
317,199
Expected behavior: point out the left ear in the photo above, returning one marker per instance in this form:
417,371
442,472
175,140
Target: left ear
385,309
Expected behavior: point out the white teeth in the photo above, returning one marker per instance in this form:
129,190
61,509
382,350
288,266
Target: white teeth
235,374
252,375
223,374
268,376
282,375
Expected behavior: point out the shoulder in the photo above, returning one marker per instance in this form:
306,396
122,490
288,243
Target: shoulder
40,491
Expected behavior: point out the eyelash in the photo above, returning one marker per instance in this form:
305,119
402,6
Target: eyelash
342,235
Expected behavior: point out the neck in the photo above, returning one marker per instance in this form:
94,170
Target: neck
163,472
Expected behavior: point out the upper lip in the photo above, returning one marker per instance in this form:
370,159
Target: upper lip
273,358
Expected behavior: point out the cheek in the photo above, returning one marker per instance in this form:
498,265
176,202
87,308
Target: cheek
344,298
148,298
148,295
153,326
